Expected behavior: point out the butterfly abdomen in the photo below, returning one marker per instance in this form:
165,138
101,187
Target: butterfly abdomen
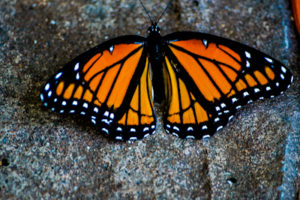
155,48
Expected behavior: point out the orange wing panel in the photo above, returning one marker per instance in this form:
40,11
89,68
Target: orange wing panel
95,82
269,73
107,59
189,117
212,52
185,99
229,72
78,92
146,98
107,82
140,111
260,77
60,88
197,74
68,92
250,80
121,85
216,75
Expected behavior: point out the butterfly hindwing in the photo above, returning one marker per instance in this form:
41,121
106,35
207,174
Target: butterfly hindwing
108,84
214,77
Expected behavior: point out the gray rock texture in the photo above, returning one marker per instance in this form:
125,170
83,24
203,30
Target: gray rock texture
44,155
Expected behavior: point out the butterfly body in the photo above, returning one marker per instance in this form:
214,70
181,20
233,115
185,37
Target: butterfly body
155,47
202,80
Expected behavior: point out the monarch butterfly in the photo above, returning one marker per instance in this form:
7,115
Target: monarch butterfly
201,80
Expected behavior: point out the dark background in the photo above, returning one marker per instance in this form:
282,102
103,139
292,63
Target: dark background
47,155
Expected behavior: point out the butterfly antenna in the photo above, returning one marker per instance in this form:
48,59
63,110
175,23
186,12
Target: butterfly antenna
147,12
166,8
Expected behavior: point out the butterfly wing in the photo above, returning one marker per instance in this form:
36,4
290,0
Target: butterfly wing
211,77
108,84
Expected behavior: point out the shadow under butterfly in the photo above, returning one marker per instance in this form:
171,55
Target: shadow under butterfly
201,80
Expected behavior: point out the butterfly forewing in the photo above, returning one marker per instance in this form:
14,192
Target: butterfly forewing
212,77
109,84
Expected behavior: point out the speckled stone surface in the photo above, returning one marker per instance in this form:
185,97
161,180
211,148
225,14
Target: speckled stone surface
47,155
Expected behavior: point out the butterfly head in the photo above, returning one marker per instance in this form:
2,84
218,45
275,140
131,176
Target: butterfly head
154,29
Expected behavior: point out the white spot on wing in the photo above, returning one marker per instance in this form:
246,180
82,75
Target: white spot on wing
76,66
206,137
190,137
245,94
58,75
175,134
190,128
256,90
219,128
269,60
96,110
42,97
283,69
268,88
64,103
105,130
248,55
176,128
132,130
75,103
119,138
133,138
247,64
85,105
106,114
205,43
282,76
111,116
204,127
111,49
77,76
105,121
47,86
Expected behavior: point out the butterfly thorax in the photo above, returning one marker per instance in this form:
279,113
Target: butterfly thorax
155,46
